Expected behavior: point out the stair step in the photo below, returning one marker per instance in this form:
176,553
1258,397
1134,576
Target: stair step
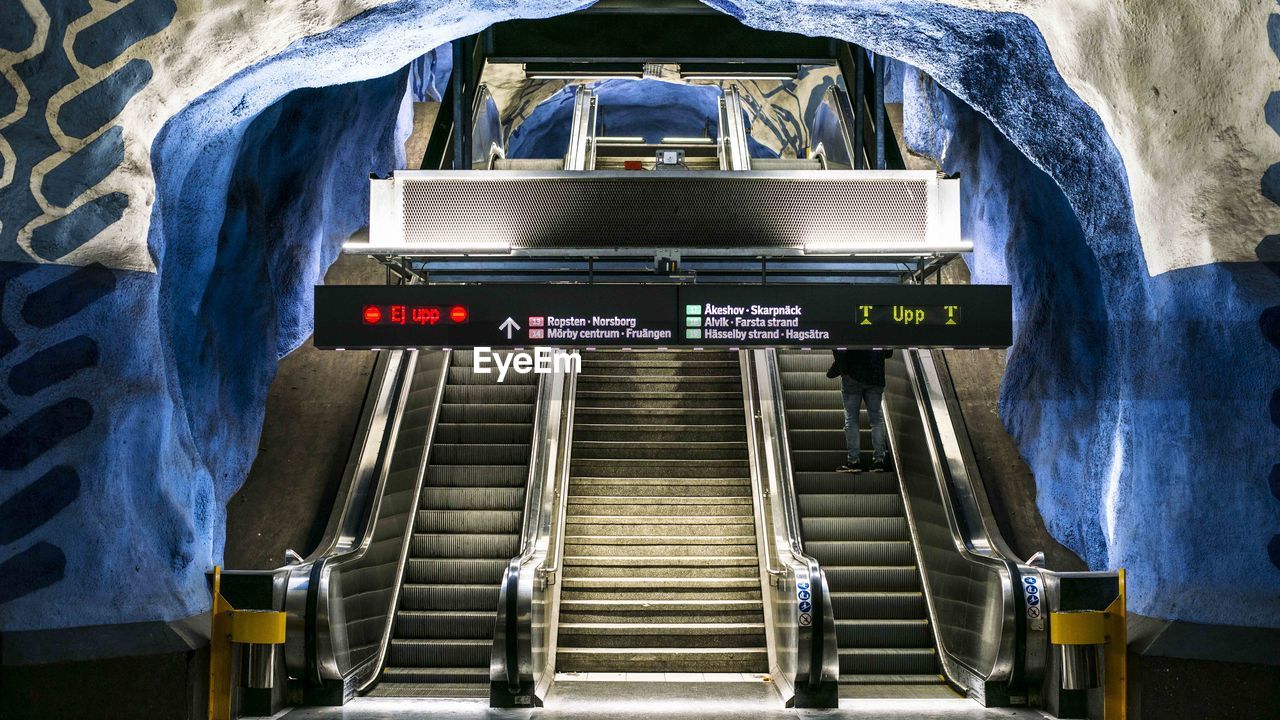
661,660
651,582
638,561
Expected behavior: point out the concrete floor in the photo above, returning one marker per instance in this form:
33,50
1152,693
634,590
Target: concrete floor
609,700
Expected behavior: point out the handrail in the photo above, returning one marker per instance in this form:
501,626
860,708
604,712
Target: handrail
315,593
811,665
950,519
518,672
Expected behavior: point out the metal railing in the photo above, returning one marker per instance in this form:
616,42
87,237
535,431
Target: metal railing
340,600
522,662
971,581
806,663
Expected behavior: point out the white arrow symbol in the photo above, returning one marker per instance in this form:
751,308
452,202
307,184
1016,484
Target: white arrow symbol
510,326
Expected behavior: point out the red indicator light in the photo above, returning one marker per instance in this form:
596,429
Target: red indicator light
426,315
458,313
372,314
398,315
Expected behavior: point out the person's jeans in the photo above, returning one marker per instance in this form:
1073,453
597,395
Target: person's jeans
855,394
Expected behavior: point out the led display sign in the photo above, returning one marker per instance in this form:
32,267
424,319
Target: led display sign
637,316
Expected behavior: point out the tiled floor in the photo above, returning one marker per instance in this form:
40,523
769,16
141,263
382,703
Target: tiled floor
599,699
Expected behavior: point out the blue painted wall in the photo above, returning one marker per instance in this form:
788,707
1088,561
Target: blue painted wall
130,403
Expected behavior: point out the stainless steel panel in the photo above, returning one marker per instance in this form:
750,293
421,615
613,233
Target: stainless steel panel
965,567
807,665
340,600
501,211
522,660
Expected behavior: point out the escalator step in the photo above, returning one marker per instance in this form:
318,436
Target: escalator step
449,597
466,376
902,578
817,460
469,521
488,476
432,676
818,529
824,439
439,571
888,661
481,433
828,482
489,394
851,505
476,454
473,624
823,419
464,546
487,413
846,552
884,634
878,605
439,652
450,498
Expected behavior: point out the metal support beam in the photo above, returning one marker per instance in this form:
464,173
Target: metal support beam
859,105
460,82
440,141
877,106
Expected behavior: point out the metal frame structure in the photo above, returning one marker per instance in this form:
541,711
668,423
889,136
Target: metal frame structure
619,38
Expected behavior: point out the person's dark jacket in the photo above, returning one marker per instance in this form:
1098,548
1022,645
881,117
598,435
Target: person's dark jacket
864,366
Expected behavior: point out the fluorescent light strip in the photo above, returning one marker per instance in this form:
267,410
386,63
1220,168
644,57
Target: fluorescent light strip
688,140
620,140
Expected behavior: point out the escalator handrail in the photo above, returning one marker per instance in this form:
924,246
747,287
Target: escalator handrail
512,655
352,507
355,519
823,660
978,542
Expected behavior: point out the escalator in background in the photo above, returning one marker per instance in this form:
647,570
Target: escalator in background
660,556
856,526
466,529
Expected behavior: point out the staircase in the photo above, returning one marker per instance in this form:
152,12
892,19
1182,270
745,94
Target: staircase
467,529
660,568
856,526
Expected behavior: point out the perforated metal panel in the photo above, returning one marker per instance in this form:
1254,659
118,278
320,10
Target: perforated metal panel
548,211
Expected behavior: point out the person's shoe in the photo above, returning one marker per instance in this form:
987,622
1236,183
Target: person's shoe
878,465
848,467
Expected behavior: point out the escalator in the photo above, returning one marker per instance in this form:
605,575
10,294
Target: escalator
660,556
856,526
466,529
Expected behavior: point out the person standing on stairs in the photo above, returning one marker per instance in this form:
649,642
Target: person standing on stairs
861,374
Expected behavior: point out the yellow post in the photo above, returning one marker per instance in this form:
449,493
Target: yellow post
219,653
1115,698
